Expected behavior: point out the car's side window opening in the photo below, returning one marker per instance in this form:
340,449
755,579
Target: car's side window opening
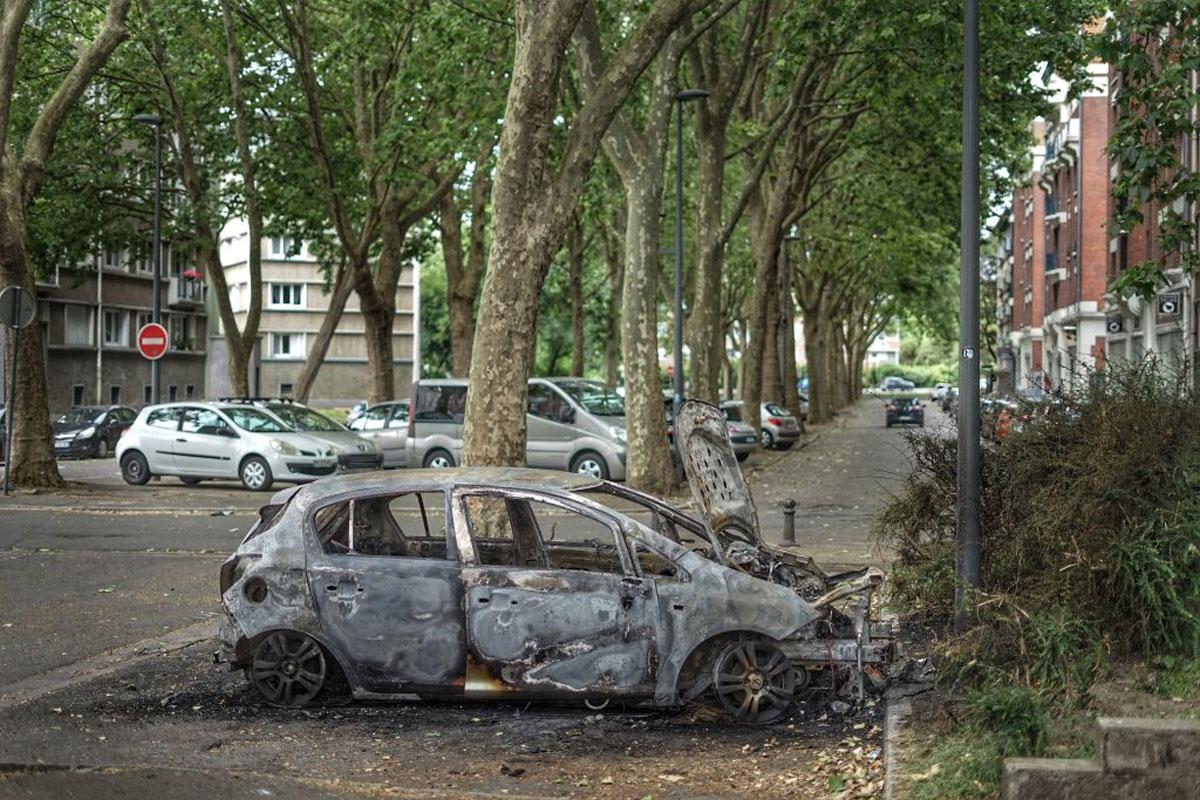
518,532
681,530
409,525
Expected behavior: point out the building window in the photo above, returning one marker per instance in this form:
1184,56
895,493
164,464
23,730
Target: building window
77,324
144,257
77,394
116,328
287,345
144,318
147,394
189,392
114,395
172,393
287,295
283,246
182,332
285,390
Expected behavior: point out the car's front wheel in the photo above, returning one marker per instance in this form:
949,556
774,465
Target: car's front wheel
134,468
102,448
754,681
256,474
591,464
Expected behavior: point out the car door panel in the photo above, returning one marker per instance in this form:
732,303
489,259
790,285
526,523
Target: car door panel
200,449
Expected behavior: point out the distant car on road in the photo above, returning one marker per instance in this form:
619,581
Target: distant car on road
894,383
741,435
905,411
386,424
202,440
91,431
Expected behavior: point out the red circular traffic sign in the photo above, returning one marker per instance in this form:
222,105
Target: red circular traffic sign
152,341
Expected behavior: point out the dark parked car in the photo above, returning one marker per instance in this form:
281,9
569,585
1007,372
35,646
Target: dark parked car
91,431
905,410
894,383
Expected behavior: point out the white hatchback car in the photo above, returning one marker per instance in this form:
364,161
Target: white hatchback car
199,441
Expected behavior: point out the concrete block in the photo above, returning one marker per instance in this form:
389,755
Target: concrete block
1166,747
1084,779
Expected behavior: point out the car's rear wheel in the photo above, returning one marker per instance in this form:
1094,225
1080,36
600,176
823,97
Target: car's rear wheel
591,464
754,682
256,475
768,439
288,669
438,459
134,468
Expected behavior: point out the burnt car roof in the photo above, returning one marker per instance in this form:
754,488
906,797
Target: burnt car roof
504,477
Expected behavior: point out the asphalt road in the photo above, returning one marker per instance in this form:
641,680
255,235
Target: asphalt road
103,565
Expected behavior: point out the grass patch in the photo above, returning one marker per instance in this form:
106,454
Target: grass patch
1172,677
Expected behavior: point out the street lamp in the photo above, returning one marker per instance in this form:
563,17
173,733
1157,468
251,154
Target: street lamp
687,95
156,122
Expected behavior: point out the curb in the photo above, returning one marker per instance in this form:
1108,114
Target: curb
897,712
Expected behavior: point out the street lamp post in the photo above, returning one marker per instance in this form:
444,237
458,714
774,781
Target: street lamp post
685,96
967,551
155,121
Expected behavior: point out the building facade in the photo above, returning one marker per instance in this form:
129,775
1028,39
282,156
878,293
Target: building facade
295,300
1074,179
1027,312
89,317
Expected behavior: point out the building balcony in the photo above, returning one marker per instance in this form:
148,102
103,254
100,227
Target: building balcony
186,292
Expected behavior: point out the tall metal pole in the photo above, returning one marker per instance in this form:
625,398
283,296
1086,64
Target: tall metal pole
678,256
967,555
156,308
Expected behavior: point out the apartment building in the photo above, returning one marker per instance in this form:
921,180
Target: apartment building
1074,179
90,314
997,273
1027,310
1164,326
295,300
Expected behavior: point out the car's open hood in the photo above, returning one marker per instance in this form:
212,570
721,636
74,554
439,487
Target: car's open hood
712,471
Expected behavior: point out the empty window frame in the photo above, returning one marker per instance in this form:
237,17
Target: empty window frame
407,525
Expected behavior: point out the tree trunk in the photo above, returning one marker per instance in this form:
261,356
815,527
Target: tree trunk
33,462
575,279
462,332
464,272
791,394
342,287
616,280
377,299
813,355
772,379
648,460
706,326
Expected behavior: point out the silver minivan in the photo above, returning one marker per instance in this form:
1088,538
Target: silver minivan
573,424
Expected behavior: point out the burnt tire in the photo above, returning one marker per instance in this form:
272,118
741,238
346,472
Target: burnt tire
288,669
135,469
754,682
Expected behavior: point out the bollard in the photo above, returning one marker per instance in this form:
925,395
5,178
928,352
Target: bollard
789,521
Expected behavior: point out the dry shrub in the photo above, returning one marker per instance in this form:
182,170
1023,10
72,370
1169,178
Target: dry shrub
1091,534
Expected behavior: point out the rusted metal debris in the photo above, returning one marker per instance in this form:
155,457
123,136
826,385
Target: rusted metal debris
513,582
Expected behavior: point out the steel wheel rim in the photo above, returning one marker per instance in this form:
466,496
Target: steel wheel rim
754,682
439,462
133,468
254,473
288,669
767,439
591,467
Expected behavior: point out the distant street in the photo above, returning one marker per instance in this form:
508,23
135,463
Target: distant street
89,572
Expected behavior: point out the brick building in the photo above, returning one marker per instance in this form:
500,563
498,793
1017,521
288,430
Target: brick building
1074,179
1025,314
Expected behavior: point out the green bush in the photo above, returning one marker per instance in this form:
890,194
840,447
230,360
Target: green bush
1091,536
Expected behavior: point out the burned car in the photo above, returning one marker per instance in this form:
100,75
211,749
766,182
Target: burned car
518,583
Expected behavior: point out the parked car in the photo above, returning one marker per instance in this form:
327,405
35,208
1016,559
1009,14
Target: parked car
386,424
356,411
939,391
573,424
779,428
518,583
894,383
742,437
904,410
90,431
202,441
353,450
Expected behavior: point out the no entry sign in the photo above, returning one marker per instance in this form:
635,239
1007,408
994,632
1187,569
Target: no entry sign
152,341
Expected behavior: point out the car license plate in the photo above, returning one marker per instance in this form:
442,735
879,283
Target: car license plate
64,445
323,462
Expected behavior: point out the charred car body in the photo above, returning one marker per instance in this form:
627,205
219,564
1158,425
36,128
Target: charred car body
526,583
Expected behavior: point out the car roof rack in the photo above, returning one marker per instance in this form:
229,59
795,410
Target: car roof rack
253,400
